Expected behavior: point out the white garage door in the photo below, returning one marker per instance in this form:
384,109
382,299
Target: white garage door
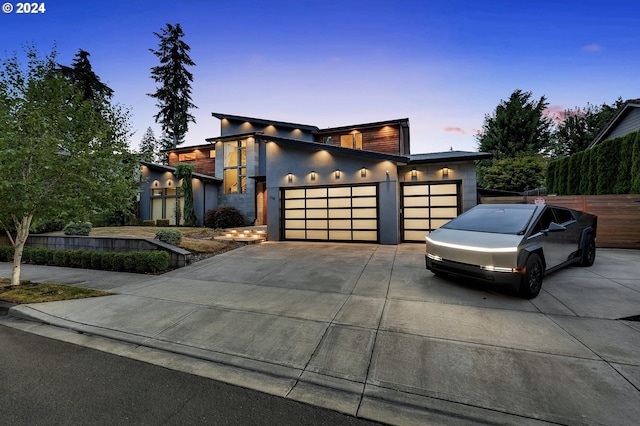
336,213
427,207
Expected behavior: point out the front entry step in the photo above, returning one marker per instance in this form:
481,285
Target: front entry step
247,235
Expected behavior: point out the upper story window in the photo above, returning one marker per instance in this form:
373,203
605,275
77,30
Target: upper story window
188,156
235,167
352,140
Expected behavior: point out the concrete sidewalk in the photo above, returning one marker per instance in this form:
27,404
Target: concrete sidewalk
364,329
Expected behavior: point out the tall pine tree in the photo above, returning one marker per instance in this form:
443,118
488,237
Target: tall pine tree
81,74
149,147
174,79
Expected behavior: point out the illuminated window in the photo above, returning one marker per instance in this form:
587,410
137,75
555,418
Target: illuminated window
212,153
189,156
235,167
352,140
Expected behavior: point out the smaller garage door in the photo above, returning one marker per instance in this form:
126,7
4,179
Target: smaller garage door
336,213
427,207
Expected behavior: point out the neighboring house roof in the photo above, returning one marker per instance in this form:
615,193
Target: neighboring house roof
315,146
265,122
163,168
401,121
629,107
439,157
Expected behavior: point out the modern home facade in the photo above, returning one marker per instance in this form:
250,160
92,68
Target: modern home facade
352,183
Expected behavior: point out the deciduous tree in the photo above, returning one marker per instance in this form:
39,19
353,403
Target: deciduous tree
61,153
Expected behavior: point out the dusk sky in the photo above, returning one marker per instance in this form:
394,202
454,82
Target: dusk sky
442,64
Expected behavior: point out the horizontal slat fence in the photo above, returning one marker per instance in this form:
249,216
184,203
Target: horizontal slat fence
618,215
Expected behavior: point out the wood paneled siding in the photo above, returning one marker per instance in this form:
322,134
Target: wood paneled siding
630,123
618,224
202,163
384,139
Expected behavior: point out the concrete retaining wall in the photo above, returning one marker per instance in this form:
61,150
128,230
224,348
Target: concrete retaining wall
177,257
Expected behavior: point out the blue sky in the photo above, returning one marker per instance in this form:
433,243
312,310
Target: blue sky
442,64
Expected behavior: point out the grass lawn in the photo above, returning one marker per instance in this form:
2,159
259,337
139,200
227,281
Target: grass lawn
195,240
28,292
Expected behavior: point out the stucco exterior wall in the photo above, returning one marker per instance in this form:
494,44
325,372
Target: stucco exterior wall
464,171
300,162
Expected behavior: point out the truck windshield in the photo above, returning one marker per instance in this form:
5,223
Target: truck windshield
500,220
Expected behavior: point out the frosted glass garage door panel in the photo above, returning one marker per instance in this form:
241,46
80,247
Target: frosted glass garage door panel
365,224
339,213
294,214
447,200
416,190
415,235
293,204
444,189
365,213
365,235
316,224
446,212
294,224
340,235
316,203
317,214
364,202
340,224
317,193
339,202
294,193
416,201
416,212
294,234
340,191
317,234
416,224
357,191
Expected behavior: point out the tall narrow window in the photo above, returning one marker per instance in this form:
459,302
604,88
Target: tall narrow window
235,167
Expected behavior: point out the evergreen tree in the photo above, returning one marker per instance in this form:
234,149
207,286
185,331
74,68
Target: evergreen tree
185,172
149,147
81,74
174,93
580,127
518,127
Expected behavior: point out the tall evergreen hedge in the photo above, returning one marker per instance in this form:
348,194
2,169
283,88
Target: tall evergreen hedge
611,167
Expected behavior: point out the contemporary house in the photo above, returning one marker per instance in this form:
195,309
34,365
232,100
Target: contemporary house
355,183
627,120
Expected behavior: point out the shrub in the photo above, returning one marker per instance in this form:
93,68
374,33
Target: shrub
158,261
162,222
148,223
77,228
6,254
169,236
86,259
223,217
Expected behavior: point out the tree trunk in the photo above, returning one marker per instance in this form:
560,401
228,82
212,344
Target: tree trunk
22,232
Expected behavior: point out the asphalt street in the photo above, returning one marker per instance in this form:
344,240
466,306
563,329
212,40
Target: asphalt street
47,382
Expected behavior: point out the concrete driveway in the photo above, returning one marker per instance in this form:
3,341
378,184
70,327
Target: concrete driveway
365,329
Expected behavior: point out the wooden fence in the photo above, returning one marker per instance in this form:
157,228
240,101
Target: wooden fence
618,215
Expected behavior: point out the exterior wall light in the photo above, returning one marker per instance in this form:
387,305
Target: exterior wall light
363,172
156,183
414,172
290,177
313,175
169,183
337,173
445,172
